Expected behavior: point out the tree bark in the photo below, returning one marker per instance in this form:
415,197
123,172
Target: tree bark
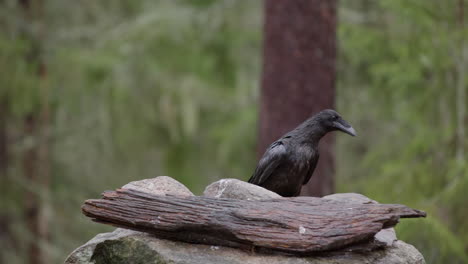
3,139
36,159
460,68
32,198
36,168
299,76
6,238
299,225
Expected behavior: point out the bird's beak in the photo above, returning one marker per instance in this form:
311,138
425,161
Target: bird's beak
345,127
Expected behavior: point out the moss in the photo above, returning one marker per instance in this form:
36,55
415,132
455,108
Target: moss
126,250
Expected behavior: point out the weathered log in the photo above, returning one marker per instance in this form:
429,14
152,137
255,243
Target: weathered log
299,225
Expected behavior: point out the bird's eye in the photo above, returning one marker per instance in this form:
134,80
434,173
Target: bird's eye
335,117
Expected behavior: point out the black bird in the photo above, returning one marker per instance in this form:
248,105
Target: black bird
289,162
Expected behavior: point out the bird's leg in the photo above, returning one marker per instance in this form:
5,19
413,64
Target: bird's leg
252,249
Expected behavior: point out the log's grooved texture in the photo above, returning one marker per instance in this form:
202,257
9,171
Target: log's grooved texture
299,225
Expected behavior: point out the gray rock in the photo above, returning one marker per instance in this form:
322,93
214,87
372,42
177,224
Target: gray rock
82,255
124,246
237,189
350,198
161,185
387,236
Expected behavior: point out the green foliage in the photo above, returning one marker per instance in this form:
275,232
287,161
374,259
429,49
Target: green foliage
146,88
399,64
138,89
436,241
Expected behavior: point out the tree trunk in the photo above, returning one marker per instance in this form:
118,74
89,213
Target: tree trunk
32,198
36,159
3,140
460,68
299,76
6,238
299,225
36,167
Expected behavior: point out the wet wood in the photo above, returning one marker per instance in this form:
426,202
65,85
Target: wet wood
299,225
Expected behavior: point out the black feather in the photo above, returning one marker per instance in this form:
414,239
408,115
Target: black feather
289,162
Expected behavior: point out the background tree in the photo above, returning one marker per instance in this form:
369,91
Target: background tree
36,121
299,76
143,88
405,89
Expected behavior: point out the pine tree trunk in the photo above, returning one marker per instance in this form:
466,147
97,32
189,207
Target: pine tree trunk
299,76
36,159
36,168
3,140
32,199
6,240
460,68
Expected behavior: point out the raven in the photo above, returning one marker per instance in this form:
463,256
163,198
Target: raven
289,162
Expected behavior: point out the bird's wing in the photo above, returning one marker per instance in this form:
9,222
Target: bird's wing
269,162
312,165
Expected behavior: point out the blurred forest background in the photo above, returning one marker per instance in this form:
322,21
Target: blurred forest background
94,94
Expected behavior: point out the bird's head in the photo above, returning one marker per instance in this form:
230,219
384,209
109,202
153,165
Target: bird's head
331,121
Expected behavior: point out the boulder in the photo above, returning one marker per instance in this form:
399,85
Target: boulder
84,253
125,246
350,198
237,189
161,185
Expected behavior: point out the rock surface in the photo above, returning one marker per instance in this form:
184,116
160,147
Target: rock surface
236,189
161,185
350,198
126,246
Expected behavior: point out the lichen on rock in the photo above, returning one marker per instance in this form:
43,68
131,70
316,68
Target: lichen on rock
125,250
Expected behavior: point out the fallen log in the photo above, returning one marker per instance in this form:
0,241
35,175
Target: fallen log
299,225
